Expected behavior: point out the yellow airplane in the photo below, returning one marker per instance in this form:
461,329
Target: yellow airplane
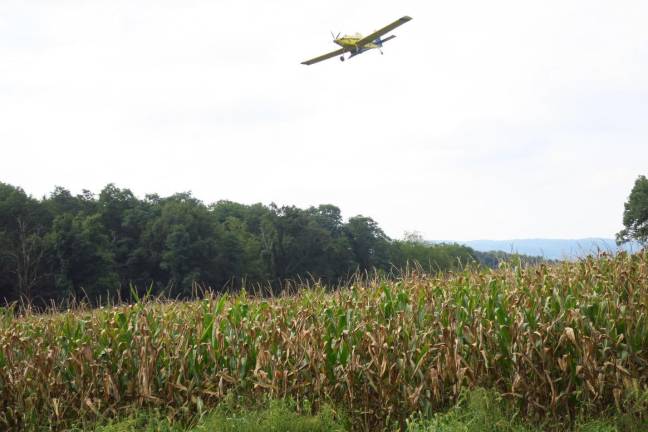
357,44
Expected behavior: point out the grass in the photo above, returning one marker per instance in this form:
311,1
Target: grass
140,423
558,342
477,410
277,416
481,410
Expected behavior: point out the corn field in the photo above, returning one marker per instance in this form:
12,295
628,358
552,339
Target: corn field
556,340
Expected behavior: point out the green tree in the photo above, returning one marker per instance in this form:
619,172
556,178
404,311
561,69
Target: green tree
303,243
431,257
183,243
84,261
336,258
635,215
369,244
61,201
23,224
241,229
125,218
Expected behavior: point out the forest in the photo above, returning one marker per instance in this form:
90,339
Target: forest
115,245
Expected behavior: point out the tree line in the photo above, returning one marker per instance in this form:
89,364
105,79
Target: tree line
114,244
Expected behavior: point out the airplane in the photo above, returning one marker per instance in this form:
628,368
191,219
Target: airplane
357,44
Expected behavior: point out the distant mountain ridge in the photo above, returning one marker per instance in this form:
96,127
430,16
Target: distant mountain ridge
549,248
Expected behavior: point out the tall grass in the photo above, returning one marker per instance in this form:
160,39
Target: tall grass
558,341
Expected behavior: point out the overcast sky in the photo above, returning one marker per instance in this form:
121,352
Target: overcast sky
498,119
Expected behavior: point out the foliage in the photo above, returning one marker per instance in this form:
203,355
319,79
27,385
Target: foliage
495,258
432,258
142,422
23,224
83,260
560,341
280,416
274,416
115,245
481,410
635,215
476,411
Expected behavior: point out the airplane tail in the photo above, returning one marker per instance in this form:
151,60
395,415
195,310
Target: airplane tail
382,41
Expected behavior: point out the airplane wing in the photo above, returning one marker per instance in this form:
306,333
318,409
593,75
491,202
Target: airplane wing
324,57
373,36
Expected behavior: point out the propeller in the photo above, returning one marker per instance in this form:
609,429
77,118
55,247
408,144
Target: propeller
335,37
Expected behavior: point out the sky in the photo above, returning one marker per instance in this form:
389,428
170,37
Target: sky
482,120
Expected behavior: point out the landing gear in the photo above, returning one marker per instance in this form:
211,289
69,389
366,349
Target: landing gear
341,58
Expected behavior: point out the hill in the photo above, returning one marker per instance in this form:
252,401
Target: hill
549,248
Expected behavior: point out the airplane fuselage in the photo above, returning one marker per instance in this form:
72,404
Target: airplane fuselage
350,43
